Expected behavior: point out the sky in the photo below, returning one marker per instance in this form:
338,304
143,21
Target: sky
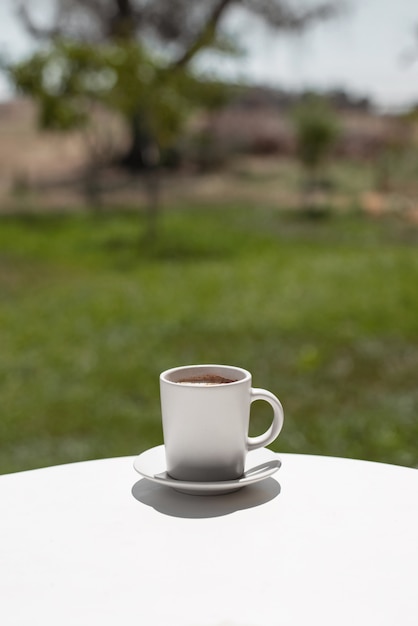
361,51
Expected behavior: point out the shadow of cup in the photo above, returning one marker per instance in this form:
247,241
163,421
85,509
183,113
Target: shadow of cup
170,502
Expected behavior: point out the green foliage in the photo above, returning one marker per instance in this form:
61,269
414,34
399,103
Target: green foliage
69,77
316,129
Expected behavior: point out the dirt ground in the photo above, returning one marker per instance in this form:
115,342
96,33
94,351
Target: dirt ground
44,171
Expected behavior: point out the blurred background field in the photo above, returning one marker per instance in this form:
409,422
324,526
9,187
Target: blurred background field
323,313
153,214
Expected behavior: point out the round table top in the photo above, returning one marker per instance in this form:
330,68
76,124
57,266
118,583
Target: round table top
324,541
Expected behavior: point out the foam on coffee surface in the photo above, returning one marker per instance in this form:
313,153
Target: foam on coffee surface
206,380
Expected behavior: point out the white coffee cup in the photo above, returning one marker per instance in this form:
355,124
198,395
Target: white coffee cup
206,421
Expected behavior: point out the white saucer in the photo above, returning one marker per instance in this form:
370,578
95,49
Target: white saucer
260,464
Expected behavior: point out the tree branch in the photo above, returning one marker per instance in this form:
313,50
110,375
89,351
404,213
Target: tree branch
206,35
36,31
124,22
280,15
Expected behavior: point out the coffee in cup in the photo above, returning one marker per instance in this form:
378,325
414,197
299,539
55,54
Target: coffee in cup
206,379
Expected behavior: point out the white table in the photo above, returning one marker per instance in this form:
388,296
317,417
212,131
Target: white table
327,542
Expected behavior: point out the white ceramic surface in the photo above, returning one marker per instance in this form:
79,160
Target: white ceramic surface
260,464
206,427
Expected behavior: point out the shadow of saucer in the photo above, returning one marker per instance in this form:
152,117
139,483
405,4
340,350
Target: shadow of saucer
171,502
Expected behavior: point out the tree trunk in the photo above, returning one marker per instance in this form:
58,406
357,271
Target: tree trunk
143,158
142,144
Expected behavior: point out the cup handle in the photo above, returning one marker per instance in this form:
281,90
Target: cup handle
277,423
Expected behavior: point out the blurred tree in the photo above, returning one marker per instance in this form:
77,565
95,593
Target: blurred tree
135,57
72,81
69,76
176,30
317,129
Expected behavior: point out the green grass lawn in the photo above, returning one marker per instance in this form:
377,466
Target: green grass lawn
323,312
